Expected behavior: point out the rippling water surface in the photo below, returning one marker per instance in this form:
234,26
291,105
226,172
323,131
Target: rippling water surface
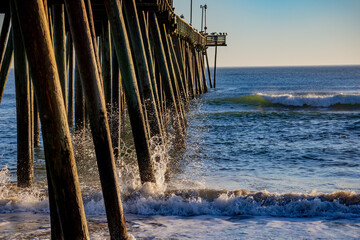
271,153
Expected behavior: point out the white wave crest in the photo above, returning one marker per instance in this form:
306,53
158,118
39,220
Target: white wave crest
312,99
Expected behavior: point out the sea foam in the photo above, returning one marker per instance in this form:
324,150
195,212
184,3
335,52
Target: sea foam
296,100
312,99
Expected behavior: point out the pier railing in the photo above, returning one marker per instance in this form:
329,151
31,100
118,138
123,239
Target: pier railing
215,40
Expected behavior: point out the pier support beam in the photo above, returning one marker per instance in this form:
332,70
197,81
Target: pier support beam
58,12
116,104
79,103
142,68
59,157
216,46
163,66
25,159
202,69
5,30
129,83
208,68
95,101
6,64
106,63
71,82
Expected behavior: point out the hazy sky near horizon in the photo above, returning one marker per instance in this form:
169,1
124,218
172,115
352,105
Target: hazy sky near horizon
281,32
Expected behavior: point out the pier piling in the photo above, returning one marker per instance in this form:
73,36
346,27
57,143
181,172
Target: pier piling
60,162
25,160
6,64
95,101
132,95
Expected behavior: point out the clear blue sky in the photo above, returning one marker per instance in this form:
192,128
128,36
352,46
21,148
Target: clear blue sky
281,32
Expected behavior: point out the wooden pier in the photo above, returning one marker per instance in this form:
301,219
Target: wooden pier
139,54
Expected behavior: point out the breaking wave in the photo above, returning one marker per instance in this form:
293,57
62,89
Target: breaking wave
297,100
196,202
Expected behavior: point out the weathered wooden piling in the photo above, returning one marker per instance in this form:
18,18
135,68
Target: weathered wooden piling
116,104
70,71
208,68
90,78
79,103
25,160
5,65
60,162
144,24
202,68
36,123
198,79
178,73
93,36
142,68
58,14
215,60
163,65
128,77
174,82
106,65
5,29
191,71
178,46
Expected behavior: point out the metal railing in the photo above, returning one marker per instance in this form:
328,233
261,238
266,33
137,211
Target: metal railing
185,30
215,39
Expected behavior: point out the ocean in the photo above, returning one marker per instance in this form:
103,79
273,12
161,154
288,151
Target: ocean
272,153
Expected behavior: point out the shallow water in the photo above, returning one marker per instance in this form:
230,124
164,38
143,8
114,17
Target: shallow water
288,138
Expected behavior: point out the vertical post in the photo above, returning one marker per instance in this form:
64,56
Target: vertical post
177,47
201,56
142,67
179,77
191,70
198,80
6,63
59,157
25,162
164,67
71,83
5,29
116,104
93,35
106,63
129,82
144,24
36,123
59,45
95,101
79,103
208,68
215,61
202,17
191,4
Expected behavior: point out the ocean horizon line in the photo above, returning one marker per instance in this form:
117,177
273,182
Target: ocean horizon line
289,66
